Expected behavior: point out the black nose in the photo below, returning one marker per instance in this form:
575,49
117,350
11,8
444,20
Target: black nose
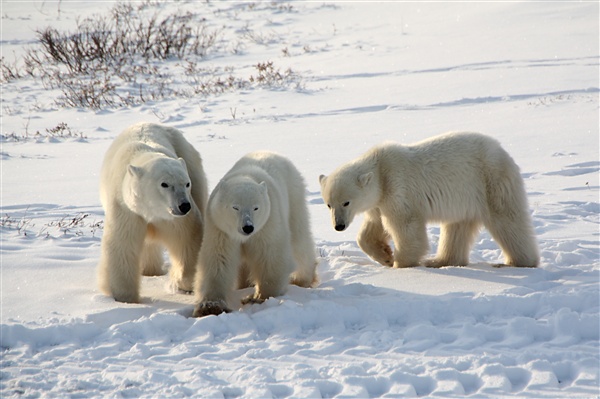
248,229
185,207
340,227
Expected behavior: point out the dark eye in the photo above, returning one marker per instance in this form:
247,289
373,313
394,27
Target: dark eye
256,209
187,185
164,185
328,206
236,208
346,203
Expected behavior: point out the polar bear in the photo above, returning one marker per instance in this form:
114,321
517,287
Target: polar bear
462,180
257,232
154,191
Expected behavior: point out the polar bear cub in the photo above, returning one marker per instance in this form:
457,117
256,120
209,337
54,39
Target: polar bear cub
257,233
463,180
154,191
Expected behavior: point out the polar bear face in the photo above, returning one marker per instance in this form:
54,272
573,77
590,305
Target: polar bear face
240,207
160,189
347,194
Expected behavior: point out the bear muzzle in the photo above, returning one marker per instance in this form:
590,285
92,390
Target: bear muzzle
247,224
185,207
248,229
339,223
182,209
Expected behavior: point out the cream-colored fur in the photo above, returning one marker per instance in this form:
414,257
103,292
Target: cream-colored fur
462,180
154,193
257,233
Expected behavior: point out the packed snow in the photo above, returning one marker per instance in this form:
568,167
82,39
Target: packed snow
363,73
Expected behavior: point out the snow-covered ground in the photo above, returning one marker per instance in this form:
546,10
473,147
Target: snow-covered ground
525,73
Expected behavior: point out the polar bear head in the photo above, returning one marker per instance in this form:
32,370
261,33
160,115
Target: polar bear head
158,189
348,192
240,207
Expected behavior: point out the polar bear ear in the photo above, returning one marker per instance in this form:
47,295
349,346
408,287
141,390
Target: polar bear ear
182,161
322,179
365,179
135,171
263,186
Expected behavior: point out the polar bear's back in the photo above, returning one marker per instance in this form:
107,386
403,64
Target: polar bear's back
276,166
154,137
460,147
466,155
452,174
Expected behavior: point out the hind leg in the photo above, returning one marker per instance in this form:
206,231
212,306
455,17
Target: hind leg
151,260
304,251
303,245
516,239
243,280
456,240
509,221
183,239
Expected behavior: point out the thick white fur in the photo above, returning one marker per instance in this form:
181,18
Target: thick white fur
141,214
265,191
463,180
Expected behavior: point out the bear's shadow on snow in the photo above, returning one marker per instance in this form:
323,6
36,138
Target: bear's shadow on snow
368,271
366,283
495,273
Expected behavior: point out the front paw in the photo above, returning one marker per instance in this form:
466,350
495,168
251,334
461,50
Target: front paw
207,308
181,283
384,254
180,287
